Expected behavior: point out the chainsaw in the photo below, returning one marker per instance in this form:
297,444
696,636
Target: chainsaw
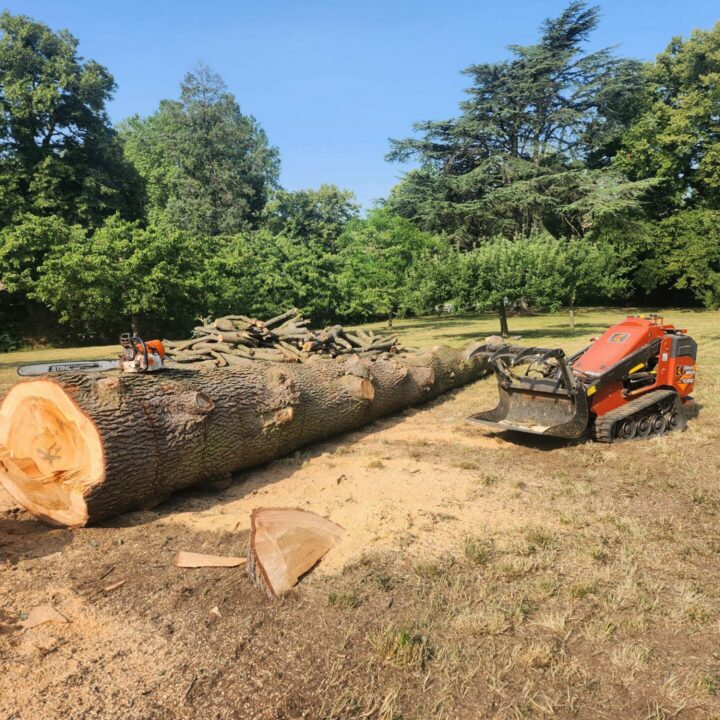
138,356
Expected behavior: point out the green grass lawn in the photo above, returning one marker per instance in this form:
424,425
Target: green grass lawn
9,362
544,329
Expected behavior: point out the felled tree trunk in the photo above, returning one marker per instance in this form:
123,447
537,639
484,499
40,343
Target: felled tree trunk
75,449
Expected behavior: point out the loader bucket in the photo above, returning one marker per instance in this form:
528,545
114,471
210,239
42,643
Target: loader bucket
540,408
545,398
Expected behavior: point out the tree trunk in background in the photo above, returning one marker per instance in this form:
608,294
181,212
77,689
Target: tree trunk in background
75,449
135,324
572,310
502,313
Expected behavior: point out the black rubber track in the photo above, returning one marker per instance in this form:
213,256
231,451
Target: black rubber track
605,425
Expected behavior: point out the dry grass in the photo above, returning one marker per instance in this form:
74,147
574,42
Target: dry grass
401,648
605,604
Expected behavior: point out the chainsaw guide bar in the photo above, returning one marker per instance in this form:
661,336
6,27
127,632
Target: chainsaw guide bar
77,366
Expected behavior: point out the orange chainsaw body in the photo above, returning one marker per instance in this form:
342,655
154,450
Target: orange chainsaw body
140,355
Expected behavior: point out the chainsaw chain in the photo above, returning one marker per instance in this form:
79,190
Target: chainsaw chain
604,426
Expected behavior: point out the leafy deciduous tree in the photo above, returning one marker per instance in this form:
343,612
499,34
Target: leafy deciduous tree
676,139
378,261
540,270
685,255
121,275
59,155
319,215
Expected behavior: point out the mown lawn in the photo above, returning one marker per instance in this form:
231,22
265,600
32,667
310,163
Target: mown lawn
9,362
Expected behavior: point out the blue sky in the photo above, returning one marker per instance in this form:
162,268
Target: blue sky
331,81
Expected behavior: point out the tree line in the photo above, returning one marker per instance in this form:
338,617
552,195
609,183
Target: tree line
567,177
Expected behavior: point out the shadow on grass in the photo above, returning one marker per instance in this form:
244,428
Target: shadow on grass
580,330
214,494
25,538
692,410
449,321
545,443
548,443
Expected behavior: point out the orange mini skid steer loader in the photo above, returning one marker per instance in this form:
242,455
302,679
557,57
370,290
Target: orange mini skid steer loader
634,380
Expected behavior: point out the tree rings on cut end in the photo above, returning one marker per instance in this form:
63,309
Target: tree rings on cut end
51,453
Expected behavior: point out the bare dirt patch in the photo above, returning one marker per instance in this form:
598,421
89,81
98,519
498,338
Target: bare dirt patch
401,482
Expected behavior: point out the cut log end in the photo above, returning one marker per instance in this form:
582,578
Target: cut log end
285,543
56,453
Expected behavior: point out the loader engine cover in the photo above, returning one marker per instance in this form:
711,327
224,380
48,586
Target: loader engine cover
614,345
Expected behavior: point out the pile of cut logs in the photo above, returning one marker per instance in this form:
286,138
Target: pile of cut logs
236,339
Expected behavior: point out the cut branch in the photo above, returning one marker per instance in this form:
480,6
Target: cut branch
285,338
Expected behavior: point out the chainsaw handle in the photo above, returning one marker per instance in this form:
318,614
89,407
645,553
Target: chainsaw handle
131,342
142,344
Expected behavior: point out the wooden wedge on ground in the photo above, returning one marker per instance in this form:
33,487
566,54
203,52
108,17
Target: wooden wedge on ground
284,544
197,560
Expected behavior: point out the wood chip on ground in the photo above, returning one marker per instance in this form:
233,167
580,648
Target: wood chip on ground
42,614
285,543
197,560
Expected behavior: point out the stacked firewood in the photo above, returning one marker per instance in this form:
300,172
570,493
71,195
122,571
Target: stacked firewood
236,339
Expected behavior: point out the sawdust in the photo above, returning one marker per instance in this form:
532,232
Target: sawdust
389,486
594,554
99,636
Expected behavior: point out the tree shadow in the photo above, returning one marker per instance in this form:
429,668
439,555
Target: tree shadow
562,331
23,537
581,331
439,322
214,494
